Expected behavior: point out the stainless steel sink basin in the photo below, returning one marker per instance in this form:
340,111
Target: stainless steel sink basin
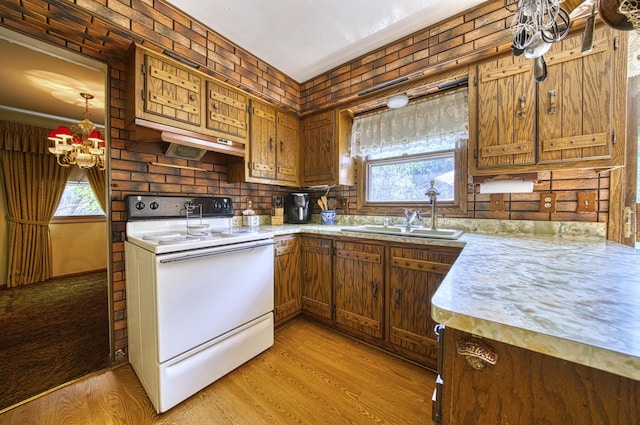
420,232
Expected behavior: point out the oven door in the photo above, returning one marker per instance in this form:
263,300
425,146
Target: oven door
206,293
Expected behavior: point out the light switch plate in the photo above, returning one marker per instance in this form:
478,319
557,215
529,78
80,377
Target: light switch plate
586,202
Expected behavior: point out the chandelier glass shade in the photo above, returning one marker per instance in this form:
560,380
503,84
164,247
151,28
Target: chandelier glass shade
80,145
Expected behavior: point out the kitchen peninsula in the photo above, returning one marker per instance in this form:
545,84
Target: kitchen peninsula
561,313
563,318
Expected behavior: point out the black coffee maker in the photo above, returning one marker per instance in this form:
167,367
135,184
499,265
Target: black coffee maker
297,209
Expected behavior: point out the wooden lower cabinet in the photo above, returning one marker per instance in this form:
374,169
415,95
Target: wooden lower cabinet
528,388
316,282
415,273
287,291
359,286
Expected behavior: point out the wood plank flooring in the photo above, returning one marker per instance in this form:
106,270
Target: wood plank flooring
312,375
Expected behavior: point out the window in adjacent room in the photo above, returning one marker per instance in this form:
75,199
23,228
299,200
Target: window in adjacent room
401,150
78,199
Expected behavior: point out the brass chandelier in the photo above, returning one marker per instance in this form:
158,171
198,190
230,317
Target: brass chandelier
80,145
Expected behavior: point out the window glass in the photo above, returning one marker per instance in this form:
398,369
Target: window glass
407,179
78,200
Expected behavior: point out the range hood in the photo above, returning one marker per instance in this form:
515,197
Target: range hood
183,143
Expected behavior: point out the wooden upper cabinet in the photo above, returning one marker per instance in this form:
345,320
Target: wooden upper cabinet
227,111
505,113
564,122
288,136
318,147
575,102
171,91
168,96
326,153
262,152
273,149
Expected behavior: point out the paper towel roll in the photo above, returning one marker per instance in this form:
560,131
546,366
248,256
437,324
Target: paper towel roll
506,186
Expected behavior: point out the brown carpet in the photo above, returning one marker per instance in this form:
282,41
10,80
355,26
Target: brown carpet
51,333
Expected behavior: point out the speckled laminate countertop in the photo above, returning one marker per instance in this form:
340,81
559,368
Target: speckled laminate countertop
575,299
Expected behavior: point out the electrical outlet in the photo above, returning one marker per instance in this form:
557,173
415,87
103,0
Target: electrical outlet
119,354
548,202
116,236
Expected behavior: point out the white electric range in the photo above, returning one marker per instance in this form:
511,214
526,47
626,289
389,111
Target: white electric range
199,293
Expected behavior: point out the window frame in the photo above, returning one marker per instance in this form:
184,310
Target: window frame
451,208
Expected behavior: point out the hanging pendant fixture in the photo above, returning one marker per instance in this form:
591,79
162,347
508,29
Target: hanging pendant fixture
80,145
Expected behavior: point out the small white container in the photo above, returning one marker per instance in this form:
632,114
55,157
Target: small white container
251,220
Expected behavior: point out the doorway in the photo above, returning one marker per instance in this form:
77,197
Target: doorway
56,330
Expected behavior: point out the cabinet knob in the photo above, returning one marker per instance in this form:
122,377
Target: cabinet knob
193,97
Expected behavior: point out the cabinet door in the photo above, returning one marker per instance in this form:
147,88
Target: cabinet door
505,113
262,150
414,277
227,111
172,91
359,278
287,301
318,149
287,147
576,101
316,276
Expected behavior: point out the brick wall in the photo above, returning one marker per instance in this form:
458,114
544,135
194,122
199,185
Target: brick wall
105,29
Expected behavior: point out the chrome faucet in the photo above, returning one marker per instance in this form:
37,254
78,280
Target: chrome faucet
411,216
433,193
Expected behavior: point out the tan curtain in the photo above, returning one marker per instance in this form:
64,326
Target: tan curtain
96,179
34,184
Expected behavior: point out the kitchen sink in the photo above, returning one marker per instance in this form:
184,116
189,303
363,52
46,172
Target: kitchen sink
420,232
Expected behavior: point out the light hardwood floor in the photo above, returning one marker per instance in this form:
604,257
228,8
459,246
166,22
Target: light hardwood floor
312,375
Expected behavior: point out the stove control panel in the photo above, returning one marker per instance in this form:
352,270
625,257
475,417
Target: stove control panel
149,207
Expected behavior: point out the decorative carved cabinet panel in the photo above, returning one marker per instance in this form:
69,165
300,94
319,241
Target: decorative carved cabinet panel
567,121
359,286
288,301
227,111
171,91
414,276
316,276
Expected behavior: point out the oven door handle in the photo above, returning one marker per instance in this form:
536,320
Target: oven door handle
235,248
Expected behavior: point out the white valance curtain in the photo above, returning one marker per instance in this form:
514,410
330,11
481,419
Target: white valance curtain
440,119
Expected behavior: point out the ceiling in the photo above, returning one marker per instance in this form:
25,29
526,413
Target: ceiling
42,83
305,38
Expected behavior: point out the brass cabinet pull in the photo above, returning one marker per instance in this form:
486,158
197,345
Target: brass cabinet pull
522,103
552,102
375,290
270,143
328,144
398,297
478,355
281,146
